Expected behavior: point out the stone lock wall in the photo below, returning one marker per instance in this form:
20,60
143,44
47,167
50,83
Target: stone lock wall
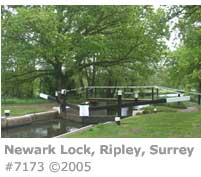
27,119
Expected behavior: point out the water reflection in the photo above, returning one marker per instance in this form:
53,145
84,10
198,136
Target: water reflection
42,129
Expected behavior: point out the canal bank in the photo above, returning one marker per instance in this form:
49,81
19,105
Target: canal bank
8,122
37,125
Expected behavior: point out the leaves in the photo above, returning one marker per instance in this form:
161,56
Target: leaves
90,41
188,55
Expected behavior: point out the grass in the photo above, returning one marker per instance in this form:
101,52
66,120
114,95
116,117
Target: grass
166,123
16,111
173,107
192,104
18,101
20,108
150,109
158,125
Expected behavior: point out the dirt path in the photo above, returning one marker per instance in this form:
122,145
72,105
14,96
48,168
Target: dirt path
189,109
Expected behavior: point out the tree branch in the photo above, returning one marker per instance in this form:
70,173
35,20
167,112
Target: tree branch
14,76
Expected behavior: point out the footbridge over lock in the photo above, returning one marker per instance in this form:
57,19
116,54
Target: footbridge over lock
104,103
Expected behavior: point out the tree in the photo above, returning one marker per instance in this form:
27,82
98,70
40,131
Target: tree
186,60
70,43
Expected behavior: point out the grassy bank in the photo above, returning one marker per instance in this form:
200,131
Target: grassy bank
20,101
158,125
22,109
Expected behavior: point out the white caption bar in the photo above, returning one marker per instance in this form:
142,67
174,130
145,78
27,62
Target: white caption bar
100,157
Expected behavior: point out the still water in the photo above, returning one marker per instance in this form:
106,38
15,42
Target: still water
42,129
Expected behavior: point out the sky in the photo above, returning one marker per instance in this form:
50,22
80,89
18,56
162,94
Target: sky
174,40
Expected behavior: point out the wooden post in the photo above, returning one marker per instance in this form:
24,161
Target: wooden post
152,93
157,92
143,93
119,100
119,103
87,93
179,96
131,90
199,99
7,112
95,92
124,90
136,96
63,101
84,112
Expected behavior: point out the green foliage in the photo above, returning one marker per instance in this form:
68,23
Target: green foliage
91,42
185,62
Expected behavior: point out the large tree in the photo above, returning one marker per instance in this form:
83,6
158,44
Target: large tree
70,43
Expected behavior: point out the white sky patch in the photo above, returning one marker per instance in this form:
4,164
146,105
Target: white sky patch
156,6
174,39
100,2
38,67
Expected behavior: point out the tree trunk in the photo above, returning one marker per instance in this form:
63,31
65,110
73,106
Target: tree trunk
109,91
199,87
59,77
81,81
60,84
93,76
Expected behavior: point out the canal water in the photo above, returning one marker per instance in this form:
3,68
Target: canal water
42,129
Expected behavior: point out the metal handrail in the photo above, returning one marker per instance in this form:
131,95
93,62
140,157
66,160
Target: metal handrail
135,87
